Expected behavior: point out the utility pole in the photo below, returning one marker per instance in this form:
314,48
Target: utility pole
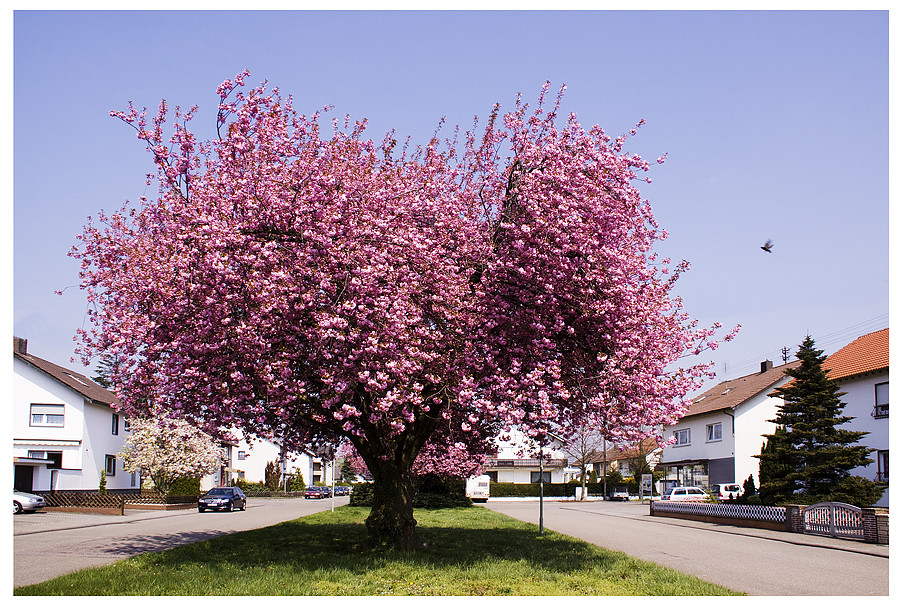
785,353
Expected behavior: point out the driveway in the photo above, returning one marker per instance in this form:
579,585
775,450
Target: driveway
757,562
47,545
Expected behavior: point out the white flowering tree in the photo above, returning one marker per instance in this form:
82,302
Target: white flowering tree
167,449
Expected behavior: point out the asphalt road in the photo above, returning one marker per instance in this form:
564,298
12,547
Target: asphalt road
757,562
50,544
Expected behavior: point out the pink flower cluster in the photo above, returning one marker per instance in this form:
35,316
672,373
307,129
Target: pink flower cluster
411,302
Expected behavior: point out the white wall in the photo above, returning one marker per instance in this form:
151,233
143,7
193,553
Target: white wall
860,403
259,452
84,439
751,423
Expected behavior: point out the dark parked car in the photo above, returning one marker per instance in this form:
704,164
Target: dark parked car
317,492
341,490
224,499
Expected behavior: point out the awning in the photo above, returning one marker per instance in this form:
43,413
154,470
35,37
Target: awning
683,463
43,442
35,461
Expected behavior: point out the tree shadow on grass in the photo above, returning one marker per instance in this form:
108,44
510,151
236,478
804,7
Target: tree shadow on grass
345,546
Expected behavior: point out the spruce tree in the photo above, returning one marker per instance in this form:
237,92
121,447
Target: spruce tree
812,443
777,464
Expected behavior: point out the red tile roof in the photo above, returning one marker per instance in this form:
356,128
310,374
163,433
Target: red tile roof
868,353
731,393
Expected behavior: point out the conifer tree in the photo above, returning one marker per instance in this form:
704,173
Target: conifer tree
777,461
813,442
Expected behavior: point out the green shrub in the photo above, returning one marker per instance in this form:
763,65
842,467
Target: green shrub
432,492
506,489
185,486
251,486
273,476
362,495
296,483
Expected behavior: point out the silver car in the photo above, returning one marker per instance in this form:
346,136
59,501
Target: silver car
23,501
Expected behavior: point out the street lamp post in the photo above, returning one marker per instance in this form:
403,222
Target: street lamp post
541,483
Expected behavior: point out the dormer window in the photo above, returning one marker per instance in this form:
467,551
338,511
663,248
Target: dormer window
78,380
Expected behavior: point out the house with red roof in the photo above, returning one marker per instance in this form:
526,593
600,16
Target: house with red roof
862,370
718,439
721,435
66,430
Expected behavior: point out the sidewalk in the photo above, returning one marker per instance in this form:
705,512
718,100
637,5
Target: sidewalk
810,540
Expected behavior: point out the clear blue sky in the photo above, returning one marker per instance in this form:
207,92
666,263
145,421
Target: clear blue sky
775,125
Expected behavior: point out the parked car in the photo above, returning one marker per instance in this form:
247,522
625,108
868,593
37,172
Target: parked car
686,493
23,501
727,491
620,493
342,490
317,492
223,499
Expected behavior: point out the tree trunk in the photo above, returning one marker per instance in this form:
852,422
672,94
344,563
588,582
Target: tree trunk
391,521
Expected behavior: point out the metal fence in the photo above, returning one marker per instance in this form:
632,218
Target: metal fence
834,519
746,512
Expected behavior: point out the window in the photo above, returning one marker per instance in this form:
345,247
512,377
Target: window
882,466
881,400
714,432
115,424
536,477
110,465
47,415
127,425
242,455
683,437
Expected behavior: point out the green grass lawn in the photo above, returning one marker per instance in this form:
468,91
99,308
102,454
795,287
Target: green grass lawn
474,552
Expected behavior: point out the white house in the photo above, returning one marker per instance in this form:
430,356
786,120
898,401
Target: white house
247,460
509,465
66,431
723,430
862,370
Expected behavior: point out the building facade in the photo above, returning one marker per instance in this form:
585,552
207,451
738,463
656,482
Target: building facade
718,439
66,431
862,368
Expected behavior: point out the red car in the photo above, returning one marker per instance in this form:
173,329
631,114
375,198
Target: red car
317,492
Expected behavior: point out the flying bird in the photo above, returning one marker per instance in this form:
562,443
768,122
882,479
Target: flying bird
768,246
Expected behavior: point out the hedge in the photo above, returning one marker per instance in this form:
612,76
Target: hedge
432,492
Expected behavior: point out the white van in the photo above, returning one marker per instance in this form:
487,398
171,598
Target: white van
478,488
727,491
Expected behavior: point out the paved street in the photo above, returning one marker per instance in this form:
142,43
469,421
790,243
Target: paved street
757,562
47,545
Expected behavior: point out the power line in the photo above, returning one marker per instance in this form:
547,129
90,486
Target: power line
840,337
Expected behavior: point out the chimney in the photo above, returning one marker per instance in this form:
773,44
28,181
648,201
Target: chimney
765,366
20,345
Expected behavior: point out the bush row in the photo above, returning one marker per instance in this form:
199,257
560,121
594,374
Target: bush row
432,492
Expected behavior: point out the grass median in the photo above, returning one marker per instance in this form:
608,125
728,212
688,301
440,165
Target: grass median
474,551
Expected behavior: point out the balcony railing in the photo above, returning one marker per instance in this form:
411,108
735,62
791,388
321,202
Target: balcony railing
553,463
881,411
